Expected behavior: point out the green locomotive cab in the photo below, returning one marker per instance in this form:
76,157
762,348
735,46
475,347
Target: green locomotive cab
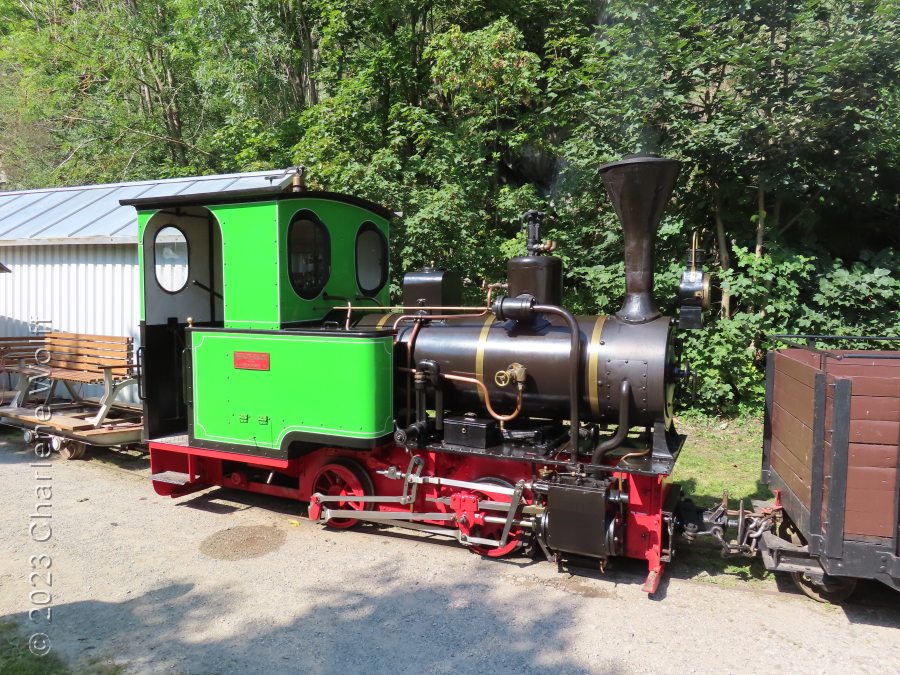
243,349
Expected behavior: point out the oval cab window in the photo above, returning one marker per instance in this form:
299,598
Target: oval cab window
170,256
309,255
371,259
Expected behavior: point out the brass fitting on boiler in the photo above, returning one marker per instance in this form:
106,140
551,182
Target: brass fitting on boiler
514,372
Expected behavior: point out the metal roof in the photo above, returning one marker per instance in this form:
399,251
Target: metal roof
93,214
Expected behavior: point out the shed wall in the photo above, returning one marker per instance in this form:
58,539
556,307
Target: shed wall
79,288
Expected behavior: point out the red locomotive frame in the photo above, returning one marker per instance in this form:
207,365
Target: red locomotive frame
648,527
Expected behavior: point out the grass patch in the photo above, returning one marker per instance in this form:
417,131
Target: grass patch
15,659
720,455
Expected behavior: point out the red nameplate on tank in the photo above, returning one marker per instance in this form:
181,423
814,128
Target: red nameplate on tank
251,360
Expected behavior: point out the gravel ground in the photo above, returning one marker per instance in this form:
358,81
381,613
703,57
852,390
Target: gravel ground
226,582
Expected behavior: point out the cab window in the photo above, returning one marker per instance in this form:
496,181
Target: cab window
170,259
309,255
371,259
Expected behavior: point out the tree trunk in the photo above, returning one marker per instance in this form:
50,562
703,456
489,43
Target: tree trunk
173,117
724,258
760,219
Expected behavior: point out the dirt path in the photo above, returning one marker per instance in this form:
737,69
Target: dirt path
226,582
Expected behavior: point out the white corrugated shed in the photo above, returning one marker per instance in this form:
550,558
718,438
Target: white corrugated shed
77,288
72,252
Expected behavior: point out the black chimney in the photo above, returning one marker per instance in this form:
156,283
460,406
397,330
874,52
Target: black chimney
639,187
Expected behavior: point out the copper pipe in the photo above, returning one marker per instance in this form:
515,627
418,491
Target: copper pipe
490,291
640,453
410,346
429,317
487,400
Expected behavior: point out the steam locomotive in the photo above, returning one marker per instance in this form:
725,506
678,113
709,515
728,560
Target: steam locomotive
273,362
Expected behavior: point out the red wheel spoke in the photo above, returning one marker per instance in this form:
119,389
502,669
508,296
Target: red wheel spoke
343,479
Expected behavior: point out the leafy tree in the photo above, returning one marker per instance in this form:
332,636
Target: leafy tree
784,114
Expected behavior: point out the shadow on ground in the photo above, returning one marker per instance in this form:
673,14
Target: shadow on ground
761,493
342,620
12,450
431,627
130,459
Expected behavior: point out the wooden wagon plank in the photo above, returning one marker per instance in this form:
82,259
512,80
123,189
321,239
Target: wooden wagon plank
57,421
871,479
876,432
794,397
871,386
885,408
867,454
785,362
861,523
793,434
863,367
787,456
795,474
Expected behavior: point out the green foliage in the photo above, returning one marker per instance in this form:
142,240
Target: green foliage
785,115
794,294
862,298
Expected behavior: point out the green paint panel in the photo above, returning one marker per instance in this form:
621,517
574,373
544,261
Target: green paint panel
343,222
250,261
322,385
142,218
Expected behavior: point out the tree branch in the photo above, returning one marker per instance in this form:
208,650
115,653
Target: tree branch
167,139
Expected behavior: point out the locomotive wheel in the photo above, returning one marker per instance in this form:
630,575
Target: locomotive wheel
343,477
72,450
833,590
494,530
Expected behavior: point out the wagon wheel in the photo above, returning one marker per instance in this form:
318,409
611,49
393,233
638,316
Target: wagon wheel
72,449
494,530
834,590
343,478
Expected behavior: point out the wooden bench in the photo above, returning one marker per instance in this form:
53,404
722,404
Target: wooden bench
85,359
15,351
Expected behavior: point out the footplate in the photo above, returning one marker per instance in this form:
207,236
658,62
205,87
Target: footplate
171,477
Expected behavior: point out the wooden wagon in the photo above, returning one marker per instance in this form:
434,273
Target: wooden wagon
831,444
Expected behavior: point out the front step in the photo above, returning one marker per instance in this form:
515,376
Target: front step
171,477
